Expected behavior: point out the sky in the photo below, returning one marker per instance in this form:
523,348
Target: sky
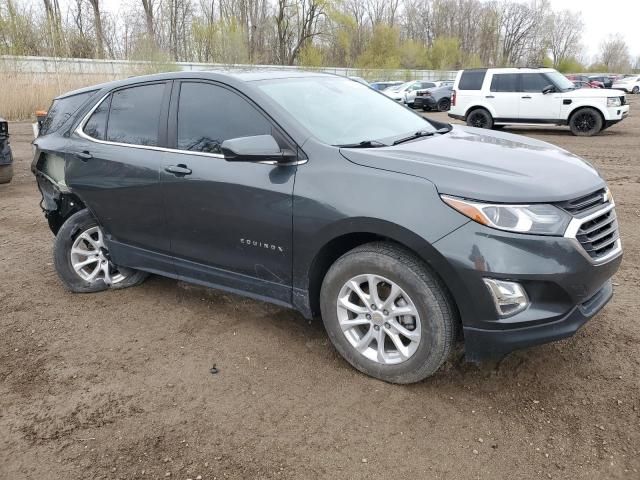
601,18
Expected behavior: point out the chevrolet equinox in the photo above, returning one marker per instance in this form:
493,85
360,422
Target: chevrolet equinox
317,193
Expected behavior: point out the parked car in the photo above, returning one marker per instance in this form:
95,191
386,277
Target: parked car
6,157
384,85
315,193
628,84
605,80
489,98
438,98
581,84
443,83
584,79
406,93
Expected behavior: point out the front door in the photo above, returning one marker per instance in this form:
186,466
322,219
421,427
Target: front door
230,223
536,106
112,165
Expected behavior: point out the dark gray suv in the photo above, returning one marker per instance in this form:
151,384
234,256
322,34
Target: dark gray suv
317,193
6,157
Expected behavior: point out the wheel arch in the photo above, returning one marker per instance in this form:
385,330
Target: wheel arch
365,231
490,110
593,107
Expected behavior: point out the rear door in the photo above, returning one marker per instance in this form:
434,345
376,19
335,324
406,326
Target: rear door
504,96
536,106
230,223
113,163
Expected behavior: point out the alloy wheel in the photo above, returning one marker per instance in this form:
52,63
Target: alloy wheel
379,319
90,258
585,122
478,120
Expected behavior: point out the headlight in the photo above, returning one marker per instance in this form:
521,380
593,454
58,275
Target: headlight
613,102
537,219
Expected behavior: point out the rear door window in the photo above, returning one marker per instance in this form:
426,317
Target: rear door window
472,79
63,108
504,82
210,114
534,82
134,115
96,126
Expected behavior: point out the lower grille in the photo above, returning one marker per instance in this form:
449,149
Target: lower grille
599,236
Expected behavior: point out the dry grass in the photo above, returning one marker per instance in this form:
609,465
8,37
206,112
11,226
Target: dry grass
21,94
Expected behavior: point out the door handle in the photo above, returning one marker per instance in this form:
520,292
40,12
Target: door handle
527,97
178,170
84,155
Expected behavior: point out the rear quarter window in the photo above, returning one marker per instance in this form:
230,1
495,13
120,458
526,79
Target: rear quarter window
472,80
63,108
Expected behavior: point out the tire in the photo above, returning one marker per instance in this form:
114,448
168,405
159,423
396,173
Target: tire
420,291
80,223
444,104
480,118
635,90
586,122
6,173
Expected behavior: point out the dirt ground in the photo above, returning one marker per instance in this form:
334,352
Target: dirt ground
117,384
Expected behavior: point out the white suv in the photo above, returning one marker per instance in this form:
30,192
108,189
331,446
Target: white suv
494,97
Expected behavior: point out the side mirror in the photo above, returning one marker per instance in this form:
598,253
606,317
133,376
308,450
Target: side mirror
548,89
259,148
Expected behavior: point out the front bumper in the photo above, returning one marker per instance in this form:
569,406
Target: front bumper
564,286
424,102
615,114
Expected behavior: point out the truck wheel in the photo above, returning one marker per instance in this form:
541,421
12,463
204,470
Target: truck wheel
82,259
586,122
444,104
635,90
387,314
479,118
6,173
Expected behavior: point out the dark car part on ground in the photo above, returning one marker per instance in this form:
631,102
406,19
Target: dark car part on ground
6,157
284,187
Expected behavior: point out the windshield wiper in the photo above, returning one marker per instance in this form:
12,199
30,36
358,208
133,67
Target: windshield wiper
422,133
363,144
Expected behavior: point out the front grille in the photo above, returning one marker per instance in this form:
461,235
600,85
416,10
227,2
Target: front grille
585,203
599,236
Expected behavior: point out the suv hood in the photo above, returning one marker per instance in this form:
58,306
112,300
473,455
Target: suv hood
488,166
593,93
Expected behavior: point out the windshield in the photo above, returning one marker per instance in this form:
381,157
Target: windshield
340,112
560,81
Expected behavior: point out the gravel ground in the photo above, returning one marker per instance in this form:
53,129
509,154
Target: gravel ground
117,384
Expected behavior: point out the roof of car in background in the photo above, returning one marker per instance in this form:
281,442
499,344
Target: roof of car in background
235,76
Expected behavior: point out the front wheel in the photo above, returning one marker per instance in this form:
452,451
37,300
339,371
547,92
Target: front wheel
82,259
387,314
480,118
586,122
635,90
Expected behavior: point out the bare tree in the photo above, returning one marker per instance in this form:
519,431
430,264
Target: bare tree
614,54
97,25
565,32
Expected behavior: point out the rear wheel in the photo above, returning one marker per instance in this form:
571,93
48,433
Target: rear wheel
635,90
82,259
586,122
444,104
479,118
387,314
6,173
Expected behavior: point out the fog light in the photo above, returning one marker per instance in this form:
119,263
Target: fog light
509,297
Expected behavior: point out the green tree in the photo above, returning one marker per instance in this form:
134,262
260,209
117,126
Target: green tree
383,50
444,54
